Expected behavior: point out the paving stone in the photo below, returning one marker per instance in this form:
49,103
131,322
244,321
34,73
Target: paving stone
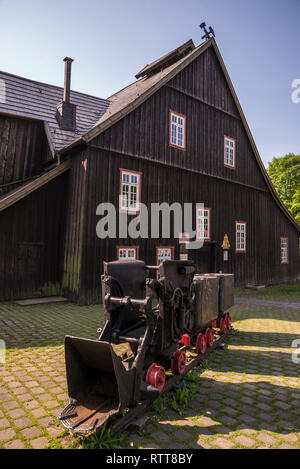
286,446
31,404
204,432
174,445
51,404
54,431
266,417
201,444
268,439
14,444
40,412
7,434
16,413
228,420
45,397
206,421
39,443
246,418
245,441
223,443
4,423
160,436
23,422
31,432
182,435
289,437
25,397
10,404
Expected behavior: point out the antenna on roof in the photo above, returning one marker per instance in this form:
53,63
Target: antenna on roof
207,33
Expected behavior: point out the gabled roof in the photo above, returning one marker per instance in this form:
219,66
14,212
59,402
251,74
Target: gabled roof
30,99
129,98
95,115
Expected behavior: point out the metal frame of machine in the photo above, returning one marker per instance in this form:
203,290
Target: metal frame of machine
104,381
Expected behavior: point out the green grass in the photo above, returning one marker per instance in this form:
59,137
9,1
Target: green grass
284,291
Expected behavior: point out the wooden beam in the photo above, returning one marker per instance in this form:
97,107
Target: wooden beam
18,194
212,106
184,168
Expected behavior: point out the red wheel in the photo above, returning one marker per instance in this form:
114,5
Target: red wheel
209,337
156,376
228,321
178,362
223,326
200,344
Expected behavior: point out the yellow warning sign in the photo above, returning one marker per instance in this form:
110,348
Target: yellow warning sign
226,244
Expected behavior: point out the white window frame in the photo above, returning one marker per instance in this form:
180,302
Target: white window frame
177,130
132,181
168,254
127,253
229,152
240,236
164,256
203,223
284,250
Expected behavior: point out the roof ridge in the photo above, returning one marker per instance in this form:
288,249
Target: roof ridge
49,85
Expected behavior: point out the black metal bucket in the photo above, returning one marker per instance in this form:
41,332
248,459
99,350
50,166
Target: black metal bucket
99,385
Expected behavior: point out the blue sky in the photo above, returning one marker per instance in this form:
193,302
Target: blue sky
111,40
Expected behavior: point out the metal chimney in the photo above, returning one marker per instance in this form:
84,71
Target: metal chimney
65,110
68,63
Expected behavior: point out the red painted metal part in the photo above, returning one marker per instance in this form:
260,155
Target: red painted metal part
209,337
228,321
156,376
185,340
200,343
178,362
223,325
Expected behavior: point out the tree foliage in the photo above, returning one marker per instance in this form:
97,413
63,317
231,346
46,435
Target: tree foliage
285,175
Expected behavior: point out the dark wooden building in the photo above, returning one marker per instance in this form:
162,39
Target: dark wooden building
177,134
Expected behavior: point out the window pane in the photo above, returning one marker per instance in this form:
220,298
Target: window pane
177,130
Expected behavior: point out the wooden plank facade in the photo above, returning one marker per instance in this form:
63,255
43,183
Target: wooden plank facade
140,141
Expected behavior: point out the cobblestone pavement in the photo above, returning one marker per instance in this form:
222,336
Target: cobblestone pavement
246,396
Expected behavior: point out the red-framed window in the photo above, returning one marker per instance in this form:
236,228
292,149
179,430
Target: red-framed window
127,253
203,223
130,191
177,125
240,236
229,152
284,250
164,253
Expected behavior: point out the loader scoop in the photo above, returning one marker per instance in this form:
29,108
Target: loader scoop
99,384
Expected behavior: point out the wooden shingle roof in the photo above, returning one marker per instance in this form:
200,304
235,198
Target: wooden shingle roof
30,99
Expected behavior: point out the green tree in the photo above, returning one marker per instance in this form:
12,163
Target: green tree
285,175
